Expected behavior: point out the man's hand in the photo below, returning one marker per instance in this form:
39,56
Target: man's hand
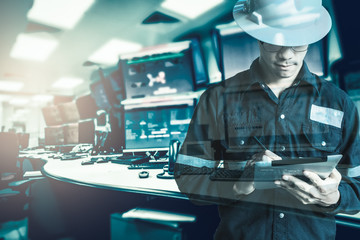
245,185
320,191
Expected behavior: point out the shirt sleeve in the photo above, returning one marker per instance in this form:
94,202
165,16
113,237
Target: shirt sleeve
200,153
349,166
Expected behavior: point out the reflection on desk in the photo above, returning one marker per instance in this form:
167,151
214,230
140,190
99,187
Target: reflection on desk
112,176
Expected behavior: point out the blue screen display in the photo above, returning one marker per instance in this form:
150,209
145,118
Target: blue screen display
99,94
158,74
155,127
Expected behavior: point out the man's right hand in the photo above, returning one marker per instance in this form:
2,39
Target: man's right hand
245,185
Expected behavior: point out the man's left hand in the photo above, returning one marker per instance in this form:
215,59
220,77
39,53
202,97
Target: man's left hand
320,191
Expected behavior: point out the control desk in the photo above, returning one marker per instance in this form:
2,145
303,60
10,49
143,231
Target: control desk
111,176
119,177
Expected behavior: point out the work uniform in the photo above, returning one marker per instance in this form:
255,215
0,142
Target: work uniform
312,118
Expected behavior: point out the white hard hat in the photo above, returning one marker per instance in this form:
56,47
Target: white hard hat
283,22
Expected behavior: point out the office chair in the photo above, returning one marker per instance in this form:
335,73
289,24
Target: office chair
13,188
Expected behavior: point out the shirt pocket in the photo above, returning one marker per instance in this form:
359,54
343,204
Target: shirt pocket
322,137
242,144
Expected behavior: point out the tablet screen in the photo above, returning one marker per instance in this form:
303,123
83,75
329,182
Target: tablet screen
292,161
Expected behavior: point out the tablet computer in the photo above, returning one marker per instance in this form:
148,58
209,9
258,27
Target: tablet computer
265,173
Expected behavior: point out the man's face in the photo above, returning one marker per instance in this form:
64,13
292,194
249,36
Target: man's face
283,63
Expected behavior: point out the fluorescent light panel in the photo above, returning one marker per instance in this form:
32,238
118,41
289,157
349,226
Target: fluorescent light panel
190,8
42,98
19,101
67,83
11,86
109,53
64,14
33,47
4,98
21,112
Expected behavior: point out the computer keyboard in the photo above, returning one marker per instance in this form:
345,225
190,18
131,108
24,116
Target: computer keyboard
224,174
158,164
119,160
127,159
72,156
188,170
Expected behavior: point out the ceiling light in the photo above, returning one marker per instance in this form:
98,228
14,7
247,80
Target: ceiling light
19,101
190,8
4,98
67,83
109,53
11,86
33,47
42,98
64,14
21,112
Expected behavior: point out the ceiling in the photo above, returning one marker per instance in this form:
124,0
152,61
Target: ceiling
104,20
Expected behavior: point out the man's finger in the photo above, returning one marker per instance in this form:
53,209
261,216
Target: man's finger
324,186
303,186
304,197
266,158
313,177
272,155
336,175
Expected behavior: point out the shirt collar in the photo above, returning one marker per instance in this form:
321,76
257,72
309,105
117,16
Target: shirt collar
304,76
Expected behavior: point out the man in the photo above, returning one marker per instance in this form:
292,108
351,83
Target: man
276,109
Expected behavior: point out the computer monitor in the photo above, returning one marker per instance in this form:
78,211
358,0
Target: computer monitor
151,129
54,135
113,81
236,50
87,131
199,67
23,139
86,106
316,58
99,94
52,115
71,133
69,112
157,74
108,81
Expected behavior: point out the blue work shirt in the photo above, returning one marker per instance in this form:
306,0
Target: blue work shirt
312,118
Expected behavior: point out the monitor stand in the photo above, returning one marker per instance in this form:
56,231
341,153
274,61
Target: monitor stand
165,174
169,169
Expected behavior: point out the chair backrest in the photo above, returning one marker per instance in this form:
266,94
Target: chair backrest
9,151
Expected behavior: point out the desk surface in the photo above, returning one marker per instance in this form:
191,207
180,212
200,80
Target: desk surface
111,176
115,177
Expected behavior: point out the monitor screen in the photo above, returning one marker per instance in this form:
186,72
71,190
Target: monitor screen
71,133
69,112
236,50
87,131
153,128
54,135
315,58
200,71
52,116
99,94
112,79
86,106
158,74
23,139
115,80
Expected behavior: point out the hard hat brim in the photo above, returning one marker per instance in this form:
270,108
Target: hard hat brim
299,36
